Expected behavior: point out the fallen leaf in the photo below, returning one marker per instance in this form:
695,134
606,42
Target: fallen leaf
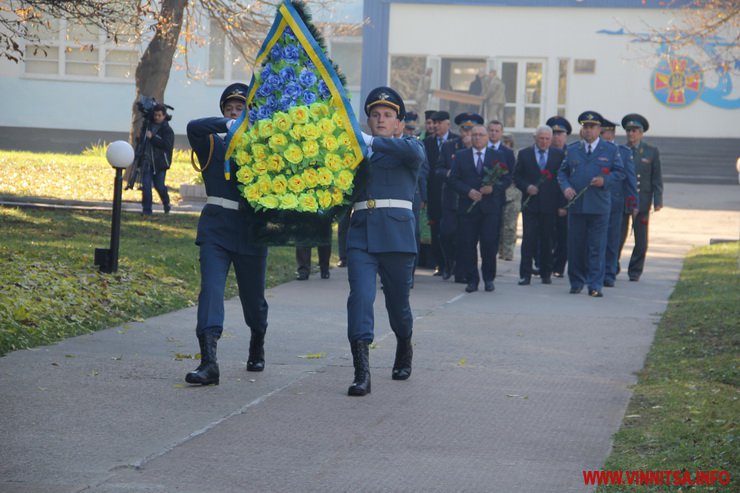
313,356
461,362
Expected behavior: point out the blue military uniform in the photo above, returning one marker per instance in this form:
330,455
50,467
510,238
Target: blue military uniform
224,239
588,215
650,193
381,240
624,196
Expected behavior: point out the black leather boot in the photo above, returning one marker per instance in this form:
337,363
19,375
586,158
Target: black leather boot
207,372
256,361
402,364
361,360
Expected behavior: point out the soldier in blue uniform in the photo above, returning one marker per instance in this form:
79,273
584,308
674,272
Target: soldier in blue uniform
561,129
650,186
624,198
590,165
448,229
381,237
224,239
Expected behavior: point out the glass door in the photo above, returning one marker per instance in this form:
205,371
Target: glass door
524,82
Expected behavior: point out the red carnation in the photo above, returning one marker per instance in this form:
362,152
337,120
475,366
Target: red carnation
605,171
546,174
503,166
643,220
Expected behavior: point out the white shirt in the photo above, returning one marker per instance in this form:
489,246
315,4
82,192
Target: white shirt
592,144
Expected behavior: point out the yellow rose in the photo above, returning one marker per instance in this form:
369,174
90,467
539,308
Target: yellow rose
288,201
343,180
269,202
296,184
349,161
282,121
310,178
319,110
245,175
327,126
311,132
325,198
278,142
252,193
307,202
266,128
330,143
344,139
294,154
279,185
243,140
325,176
259,151
296,132
260,167
337,196
310,148
265,184
242,157
275,163
338,119
333,162
299,114
254,133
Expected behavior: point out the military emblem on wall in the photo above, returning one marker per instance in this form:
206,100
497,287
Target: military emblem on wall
677,81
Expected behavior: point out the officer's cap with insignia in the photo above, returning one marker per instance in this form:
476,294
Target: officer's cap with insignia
608,124
428,114
633,120
559,124
468,120
385,96
439,116
590,117
410,120
237,91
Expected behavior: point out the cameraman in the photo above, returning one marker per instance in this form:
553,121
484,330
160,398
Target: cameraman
156,158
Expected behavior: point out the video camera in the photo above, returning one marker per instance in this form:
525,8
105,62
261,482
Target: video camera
146,105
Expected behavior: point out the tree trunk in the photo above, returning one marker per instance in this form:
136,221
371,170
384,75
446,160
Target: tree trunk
153,70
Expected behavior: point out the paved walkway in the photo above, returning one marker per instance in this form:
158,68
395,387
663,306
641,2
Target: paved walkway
515,391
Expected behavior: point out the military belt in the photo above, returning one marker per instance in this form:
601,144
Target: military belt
382,203
222,202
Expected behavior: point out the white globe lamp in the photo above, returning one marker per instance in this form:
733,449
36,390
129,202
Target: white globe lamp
120,154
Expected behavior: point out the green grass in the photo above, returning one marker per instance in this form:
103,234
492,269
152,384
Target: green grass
684,411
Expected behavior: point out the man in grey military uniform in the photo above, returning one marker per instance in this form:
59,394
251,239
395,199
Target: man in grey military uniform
649,187
381,237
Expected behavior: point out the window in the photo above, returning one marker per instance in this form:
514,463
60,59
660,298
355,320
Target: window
79,51
562,86
347,54
225,62
524,82
406,72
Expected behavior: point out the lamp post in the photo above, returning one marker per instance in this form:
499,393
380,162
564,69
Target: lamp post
120,155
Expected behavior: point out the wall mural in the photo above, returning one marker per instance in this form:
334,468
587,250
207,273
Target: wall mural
677,81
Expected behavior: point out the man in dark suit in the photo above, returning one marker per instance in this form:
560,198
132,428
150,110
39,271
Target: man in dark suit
589,168
482,223
535,172
381,237
624,198
433,146
224,239
650,186
448,222
561,129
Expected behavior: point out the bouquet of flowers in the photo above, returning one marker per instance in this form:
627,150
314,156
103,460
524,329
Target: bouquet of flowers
298,144
545,175
604,173
491,177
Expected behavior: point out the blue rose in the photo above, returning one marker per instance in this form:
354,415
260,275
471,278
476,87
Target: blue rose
309,64
291,54
292,89
286,102
308,97
288,33
263,113
263,91
276,53
266,70
252,116
287,74
273,80
271,102
324,92
307,78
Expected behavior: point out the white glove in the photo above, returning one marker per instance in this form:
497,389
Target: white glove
229,124
368,139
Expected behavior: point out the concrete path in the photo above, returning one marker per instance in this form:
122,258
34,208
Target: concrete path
515,391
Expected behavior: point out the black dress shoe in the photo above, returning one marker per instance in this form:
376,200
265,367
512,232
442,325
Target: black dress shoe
595,294
301,276
471,287
634,278
489,286
342,262
575,290
608,284
325,274
524,281
546,280
460,280
536,272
